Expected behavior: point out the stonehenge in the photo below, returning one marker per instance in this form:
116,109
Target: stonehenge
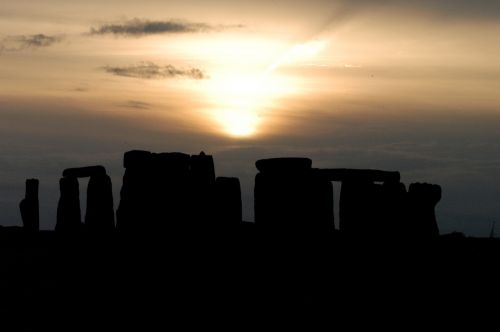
173,191
99,213
290,195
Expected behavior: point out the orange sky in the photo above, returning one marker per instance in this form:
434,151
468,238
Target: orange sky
340,81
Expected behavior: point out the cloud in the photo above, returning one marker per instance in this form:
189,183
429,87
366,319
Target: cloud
22,42
137,104
139,27
150,70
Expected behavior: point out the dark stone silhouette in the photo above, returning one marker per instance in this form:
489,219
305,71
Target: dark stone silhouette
166,191
68,210
183,251
202,169
202,191
393,211
283,165
137,159
133,213
374,204
422,200
358,207
29,207
84,172
228,204
289,197
100,214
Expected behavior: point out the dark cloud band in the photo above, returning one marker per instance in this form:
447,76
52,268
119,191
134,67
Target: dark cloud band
22,42
138,27
150,70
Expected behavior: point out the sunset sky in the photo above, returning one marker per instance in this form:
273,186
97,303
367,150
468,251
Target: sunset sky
394,85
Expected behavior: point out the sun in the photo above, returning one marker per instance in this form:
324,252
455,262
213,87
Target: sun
239,123
238,100
246,88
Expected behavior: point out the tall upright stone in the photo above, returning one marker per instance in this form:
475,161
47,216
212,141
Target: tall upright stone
358,207
370,202
68,209
100,215
421,214
290,197
202,182
170,190
133,212
202,169
154,194
29,207
228,206
392,213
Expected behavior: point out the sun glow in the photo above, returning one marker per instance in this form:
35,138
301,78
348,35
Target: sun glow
299,52
239,100
246,88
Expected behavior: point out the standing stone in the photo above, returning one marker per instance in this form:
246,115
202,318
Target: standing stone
202,169
99,216
68,209
154,194
202,182
421,215
228,202
29,207
358,207
169,190
290,197
392,217
132,213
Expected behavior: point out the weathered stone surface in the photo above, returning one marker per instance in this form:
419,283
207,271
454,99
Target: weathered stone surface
29,207
83,172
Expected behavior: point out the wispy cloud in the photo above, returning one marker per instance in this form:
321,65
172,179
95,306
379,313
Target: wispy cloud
140,27
150,70
22,42
137,104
